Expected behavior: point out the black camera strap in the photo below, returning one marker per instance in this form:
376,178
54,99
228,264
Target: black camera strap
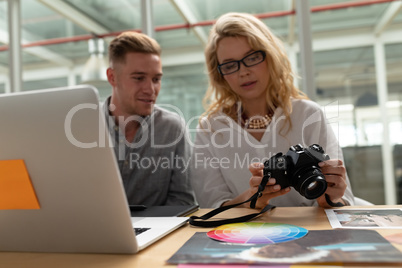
332,204
201,221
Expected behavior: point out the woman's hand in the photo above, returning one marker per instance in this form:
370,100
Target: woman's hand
271,189
335,175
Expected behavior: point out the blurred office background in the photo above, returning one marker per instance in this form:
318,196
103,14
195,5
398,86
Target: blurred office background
350,58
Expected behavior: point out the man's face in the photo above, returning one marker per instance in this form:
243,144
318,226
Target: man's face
136,84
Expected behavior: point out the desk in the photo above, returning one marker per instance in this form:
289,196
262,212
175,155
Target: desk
311,218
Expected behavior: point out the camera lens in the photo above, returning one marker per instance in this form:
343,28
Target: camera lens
311,184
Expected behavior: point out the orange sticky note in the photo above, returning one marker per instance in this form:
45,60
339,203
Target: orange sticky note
16,190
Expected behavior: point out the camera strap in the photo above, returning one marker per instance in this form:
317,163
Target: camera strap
332,204
201,221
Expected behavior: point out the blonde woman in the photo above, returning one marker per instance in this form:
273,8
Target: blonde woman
253,112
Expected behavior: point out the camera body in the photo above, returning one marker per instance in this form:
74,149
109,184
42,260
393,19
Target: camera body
299,168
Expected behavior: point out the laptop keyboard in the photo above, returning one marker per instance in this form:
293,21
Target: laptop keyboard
140,230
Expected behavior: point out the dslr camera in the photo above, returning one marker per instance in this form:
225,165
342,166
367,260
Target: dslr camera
299,168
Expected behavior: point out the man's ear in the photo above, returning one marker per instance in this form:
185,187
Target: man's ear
110,76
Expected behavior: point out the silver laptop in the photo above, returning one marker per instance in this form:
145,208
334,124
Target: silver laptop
60,135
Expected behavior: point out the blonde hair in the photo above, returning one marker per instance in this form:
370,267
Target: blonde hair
280,88
128,42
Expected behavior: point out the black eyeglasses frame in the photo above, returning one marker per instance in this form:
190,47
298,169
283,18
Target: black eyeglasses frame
242,61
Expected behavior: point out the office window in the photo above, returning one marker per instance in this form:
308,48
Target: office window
43,84
183,88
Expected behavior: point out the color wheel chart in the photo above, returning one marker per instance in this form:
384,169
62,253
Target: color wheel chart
257,233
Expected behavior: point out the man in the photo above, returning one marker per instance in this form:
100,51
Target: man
150,143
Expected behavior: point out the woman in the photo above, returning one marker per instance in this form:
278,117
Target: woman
253,112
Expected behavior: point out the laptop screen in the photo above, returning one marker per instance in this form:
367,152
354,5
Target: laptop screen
60,137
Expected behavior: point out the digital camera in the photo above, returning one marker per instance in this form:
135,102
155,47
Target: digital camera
299,168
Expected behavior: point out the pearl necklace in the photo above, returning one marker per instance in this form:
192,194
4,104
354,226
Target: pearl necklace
257,122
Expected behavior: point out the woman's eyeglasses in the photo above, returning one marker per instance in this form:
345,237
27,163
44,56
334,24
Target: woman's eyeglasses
248,61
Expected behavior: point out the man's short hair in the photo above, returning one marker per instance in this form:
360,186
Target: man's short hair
128,42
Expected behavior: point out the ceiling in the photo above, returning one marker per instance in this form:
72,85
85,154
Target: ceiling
54,33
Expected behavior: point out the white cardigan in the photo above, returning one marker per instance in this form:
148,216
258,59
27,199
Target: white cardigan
223,151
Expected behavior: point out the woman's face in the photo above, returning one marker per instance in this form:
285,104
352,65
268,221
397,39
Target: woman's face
249,83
